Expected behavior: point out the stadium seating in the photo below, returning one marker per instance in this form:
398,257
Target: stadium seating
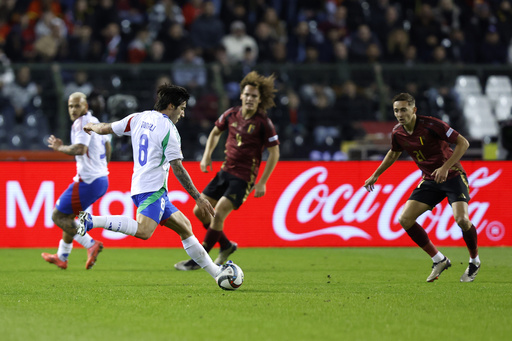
480,120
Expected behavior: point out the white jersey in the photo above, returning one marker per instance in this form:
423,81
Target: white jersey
155,143
93,164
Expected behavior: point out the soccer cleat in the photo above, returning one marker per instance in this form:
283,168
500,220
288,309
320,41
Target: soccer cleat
92,254
186,265
54,259
470,273
438,268
84,223
224,254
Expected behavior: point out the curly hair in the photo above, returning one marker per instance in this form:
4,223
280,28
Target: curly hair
265,85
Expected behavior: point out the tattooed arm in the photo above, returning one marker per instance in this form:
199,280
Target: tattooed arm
184,178
98,128
74,149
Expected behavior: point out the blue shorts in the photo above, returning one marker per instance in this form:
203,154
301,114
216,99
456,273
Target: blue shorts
154,205
80,195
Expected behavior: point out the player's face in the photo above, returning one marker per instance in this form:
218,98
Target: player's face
250,98
77,107
404,112
178,112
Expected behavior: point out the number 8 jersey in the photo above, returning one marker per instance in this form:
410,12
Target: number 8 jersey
155,142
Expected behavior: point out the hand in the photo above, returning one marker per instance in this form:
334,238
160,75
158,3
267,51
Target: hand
440,175
205,164
88,128
259,190
370,182
54,143
205,207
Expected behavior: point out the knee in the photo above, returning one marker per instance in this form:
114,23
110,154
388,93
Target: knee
144,233
406,222
464,223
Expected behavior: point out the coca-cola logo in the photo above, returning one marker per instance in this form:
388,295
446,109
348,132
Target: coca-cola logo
342,209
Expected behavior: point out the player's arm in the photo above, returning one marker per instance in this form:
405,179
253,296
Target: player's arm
441,173
211,143
74,149
184,178
261,186
108,151
98,128
389,159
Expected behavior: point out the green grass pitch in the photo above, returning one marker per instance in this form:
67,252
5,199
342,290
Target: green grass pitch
288,294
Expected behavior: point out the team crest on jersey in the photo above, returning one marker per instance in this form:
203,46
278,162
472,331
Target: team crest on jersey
251,128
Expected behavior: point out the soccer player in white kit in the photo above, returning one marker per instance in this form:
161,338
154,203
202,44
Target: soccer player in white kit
92,153
156,146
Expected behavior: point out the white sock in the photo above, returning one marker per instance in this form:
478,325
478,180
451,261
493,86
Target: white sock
197,252
438,257
99,221
64,250
119,223
86,240
475,260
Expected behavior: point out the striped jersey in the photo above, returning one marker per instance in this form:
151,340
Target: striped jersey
93,164
155,143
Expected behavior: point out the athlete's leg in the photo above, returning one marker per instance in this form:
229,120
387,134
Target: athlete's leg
181,225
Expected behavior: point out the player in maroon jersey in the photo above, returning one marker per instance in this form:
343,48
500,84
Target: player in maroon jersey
426,140
250,131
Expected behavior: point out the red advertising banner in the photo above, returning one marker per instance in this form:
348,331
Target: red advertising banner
307,204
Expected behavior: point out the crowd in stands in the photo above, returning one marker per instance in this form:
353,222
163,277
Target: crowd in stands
192,34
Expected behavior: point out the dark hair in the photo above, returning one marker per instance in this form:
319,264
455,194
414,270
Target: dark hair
170,94
265,85
404,97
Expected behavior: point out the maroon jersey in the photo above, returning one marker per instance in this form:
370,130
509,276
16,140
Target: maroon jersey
245,142
428,145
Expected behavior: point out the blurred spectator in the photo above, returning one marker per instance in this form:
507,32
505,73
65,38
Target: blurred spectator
189,71
207,31
390,23
265,41
161,14
461,50
326,48
492,50
97,105
277,26
104,13
114,46
504,20
298,42
359,42
21,93
396,47
191,10
80,83
156,53
439,56
279,53
175,37
237,42
235,10
448,14
139,46
426,33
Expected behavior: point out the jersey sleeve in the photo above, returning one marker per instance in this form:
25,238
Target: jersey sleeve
172,144
123,127
444,131
81,137
271,137
222,121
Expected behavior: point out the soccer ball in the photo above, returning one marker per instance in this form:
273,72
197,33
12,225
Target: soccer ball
230,276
